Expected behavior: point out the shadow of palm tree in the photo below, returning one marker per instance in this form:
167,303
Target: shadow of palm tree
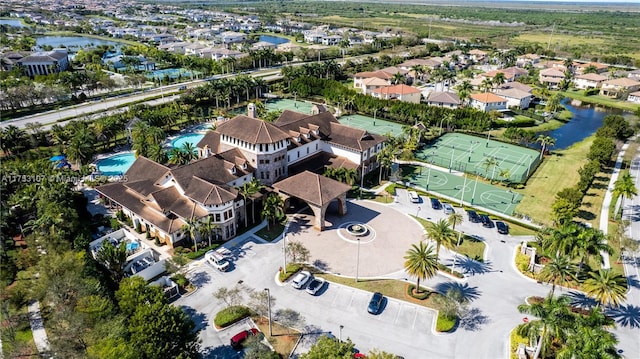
468,293
470,266
321,265
472,320
200,278
199,319
632,280
581,300
625,315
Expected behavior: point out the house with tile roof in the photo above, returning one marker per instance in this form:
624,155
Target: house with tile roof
580,67
45,63
588,81
551,77
488,102
444,99
634,97
399,92
515,98
618,87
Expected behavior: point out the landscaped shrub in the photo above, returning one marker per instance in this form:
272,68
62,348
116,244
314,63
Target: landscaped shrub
230,315
391,189
447,270
114,224
201,251
292,268
445,323
180,280
420,296
522,261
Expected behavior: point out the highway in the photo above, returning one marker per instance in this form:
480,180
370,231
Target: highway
95,109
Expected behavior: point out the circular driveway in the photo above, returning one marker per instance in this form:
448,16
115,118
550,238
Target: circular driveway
335,253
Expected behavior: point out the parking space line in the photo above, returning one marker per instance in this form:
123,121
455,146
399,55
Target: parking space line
415,317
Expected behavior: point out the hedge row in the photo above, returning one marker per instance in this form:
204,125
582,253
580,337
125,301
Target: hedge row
230,315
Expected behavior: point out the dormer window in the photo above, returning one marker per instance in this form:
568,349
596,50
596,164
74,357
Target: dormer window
244,166
307,135
233,170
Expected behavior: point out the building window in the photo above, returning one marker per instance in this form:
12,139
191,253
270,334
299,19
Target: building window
217,217
261,175
267,175
288,158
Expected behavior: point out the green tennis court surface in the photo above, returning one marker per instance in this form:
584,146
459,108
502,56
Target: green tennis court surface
477,155
477,193
282,104
378,126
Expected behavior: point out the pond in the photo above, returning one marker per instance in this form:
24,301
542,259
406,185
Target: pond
11,22
274,39
72,43
586,120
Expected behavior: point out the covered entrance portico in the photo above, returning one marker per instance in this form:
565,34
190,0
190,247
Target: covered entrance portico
317,191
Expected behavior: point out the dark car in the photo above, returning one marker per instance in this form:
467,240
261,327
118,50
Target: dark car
236,340
435,204
502,227
473,216
486,221
375,303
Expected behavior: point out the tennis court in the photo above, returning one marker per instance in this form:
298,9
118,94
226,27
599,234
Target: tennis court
476,155
378,126
282,104
459,187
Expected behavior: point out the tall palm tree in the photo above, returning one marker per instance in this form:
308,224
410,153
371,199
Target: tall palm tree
557,272
489,162
206,227
114,258
385,158
254,187
398,78
80,149
464,91
545,141
607,287
454,219
505,174
554,320
273,208
498,79
624,187
418,70
441,233
190,151
590,242
486,85
589,342
421,262
177,156
246,191
190,228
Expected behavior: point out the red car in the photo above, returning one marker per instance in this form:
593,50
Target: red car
359,355
236,340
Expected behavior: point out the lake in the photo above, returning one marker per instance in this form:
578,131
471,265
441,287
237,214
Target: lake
11,22
274,39
73,43
586,120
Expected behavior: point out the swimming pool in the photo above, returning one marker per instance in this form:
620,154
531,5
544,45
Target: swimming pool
192,138
116,165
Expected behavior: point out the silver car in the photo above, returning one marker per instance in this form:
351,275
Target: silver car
300,279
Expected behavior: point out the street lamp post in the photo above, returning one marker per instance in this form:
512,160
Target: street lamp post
269,311
358,261
341,327
455,256
284,252
429,172
473,195
418,211
441,121
374,116
513,195
464,187
488,138
453,151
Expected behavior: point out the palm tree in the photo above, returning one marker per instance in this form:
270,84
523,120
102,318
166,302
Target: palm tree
273,208
254,187
606,286
190,151
80,149
421,262
177,157
553,103
156,153
398,78
114,258
624,187
454,219
498,79
190,228
206,227
245,191
489,162
590,242
464,90
554,319
557,271
385,158
441,233
418,70
544,142
486,84
589,342
505,174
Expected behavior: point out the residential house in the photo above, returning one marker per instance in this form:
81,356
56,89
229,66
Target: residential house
444,99
45,63
217,53
588,81
618,87
478,56
263,45
399,92
515,98
551,77
10,59
175,47
634,75
525,60
314,37
360,77
579,68
232,37
510,74
488,101
331,40
194,49
634,97
516,85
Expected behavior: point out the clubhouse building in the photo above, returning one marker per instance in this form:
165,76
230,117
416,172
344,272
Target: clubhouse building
297,147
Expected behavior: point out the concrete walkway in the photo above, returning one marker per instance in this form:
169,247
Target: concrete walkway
37,327
608,197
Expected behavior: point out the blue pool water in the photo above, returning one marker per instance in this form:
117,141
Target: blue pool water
273,39
192,138
116,165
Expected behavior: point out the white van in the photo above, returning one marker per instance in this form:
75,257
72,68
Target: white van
217,260
413,197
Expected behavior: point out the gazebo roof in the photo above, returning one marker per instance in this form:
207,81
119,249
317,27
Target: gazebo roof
312,188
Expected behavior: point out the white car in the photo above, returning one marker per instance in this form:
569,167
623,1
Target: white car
447,208
217,260
315,285
300,279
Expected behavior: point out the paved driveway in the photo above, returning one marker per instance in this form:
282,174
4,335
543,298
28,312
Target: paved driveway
382,249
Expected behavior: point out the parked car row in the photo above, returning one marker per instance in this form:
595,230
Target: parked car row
314,284
474,217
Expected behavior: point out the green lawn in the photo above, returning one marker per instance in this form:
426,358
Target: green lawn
600,100
269,233
469,246
558,170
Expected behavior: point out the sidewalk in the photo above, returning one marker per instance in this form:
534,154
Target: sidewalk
608,197
37,327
